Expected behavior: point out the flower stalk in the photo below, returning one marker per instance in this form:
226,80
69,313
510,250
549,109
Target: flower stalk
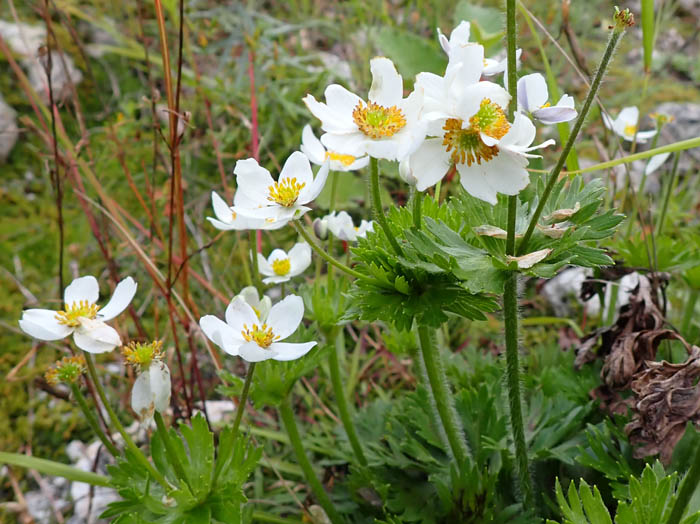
92,371
92,420
623,20
243,400
376,198
172,454
287,416
341,398
510,292
441,395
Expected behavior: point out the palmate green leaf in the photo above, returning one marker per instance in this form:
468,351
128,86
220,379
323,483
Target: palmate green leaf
589,508
212,491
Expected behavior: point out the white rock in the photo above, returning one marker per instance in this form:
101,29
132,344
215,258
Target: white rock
63,73
560,290
23,39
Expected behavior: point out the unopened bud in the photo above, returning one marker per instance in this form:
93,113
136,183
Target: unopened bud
321,228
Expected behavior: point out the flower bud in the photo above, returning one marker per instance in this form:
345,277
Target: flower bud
321,228
66,370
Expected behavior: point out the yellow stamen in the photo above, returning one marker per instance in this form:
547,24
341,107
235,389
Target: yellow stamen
377,121
490,120
346,160
286,192
281,266
466,144
630,130
233,215
545,105
72,313
141,355
67,370
262,336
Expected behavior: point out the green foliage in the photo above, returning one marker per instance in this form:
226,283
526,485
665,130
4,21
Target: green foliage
211,492
649,498
325,300
411,53
486,22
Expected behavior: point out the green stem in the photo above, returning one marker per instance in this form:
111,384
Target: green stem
261,516
54,469
441,394
667,196
615,36
170,451
243,400
325,256
417,212
376,199
138,454
686,490
290,424
92,421
689,311
341,399
510,319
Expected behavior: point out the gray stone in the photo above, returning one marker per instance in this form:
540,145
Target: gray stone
63,73
686,125
9,132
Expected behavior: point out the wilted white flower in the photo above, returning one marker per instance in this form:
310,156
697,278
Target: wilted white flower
281,201
533,98
317,153
227,219
386,126
281,266
625,125
342,226
261,306
81,316
151,391
244,335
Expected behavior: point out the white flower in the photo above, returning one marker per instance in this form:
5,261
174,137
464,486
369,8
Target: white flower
245,336
281,201
261,306
625,125
460,38
533,98
281,266
81,316
227,219
484,169
342,226
655,163
151,391
317,153
387,126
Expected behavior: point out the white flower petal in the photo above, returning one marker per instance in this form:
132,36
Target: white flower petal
122,297
387,84
264,266
221,334
555,114
429,163
277,279
299,258
460,34
239,315
83,288
629,116
285,351
469,100
532,92
42,324
506,173
311,191
297,166
529,260
251,352
312,146
476,183
353,144
222,210
471,58
285,316
253,180
643,136
94,336
655,162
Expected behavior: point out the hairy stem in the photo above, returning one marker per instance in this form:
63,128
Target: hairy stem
170,451
243,400
417,212
290,424
376,199
441,395
92,421
341,399
118,425
615,36
331,208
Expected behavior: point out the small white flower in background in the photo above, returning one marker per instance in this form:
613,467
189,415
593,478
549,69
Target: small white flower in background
245,335
281,266
460,38
342,226
625,125
386,126
152,387
278,202
317,153
533,98
227,219
261,306
82,316
655,163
